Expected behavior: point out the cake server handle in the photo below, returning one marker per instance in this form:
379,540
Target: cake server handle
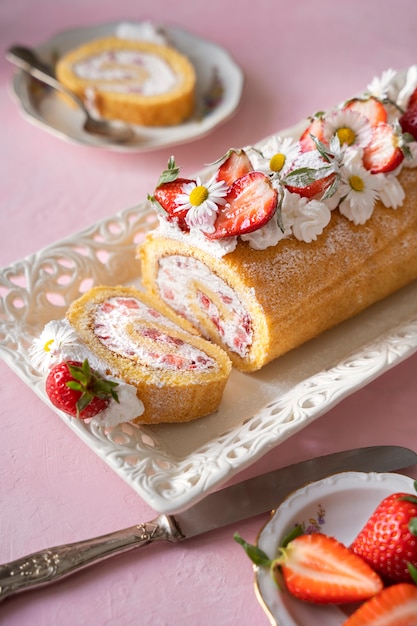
47,566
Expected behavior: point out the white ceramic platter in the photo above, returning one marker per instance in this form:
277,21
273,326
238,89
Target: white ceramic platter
219,89
338,506
172,466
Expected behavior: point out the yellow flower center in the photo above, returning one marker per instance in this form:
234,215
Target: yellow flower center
47,346
277,162
356,183
346,135
198,195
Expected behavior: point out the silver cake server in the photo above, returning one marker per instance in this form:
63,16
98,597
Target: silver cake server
222,508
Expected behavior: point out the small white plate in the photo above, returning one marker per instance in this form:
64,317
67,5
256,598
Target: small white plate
339,506
218,92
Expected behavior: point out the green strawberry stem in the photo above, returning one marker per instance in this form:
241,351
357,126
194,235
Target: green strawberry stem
170,174
91,385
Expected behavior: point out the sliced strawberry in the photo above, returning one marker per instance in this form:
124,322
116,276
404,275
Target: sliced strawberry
383,153
166,194
250,203
408,121
315,129
318,568
318,187
236,164
394,606
371,108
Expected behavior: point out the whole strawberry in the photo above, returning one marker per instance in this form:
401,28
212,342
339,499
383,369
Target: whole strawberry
388,542
76,389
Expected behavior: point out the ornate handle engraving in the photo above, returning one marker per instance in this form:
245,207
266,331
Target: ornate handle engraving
47,566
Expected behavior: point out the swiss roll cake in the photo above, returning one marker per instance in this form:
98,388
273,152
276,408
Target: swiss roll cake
281,241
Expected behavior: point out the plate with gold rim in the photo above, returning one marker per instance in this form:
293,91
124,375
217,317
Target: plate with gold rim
218,92
339,506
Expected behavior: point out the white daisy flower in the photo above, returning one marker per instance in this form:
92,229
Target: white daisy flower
277,156
57,338
351,128
201,201
381,88
359,191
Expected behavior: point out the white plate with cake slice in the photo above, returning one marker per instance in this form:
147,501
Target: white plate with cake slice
218,91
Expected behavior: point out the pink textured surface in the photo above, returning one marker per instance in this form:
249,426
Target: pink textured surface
298,57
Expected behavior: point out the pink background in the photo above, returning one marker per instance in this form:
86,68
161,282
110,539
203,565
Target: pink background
298,57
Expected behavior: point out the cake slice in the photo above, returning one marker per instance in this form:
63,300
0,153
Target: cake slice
176,375
135,81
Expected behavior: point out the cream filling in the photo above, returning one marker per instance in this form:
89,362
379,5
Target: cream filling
131,329
189,287
127,71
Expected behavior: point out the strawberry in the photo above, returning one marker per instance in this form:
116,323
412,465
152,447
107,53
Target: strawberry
383,153
319,569
316,187
236,164
250,203
408,121
166,195
394,606
371,108
315,129
388,540
76,389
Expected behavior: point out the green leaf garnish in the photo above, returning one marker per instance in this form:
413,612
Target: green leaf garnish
91,385
256,555
170,174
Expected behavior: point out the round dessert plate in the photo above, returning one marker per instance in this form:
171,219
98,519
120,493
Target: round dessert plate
338,506
218,92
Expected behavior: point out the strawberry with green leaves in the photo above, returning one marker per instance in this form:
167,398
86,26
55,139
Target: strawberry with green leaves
393,606
76,389
319,569
168,191
388,541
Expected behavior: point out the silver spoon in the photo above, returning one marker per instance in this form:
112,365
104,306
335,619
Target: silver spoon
27,60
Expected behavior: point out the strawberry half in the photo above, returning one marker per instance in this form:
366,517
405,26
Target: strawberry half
166,194
250,203
319,569
394,606
371,108
235,165
388,540
408,121
76,389
383,153
317,187
315,129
